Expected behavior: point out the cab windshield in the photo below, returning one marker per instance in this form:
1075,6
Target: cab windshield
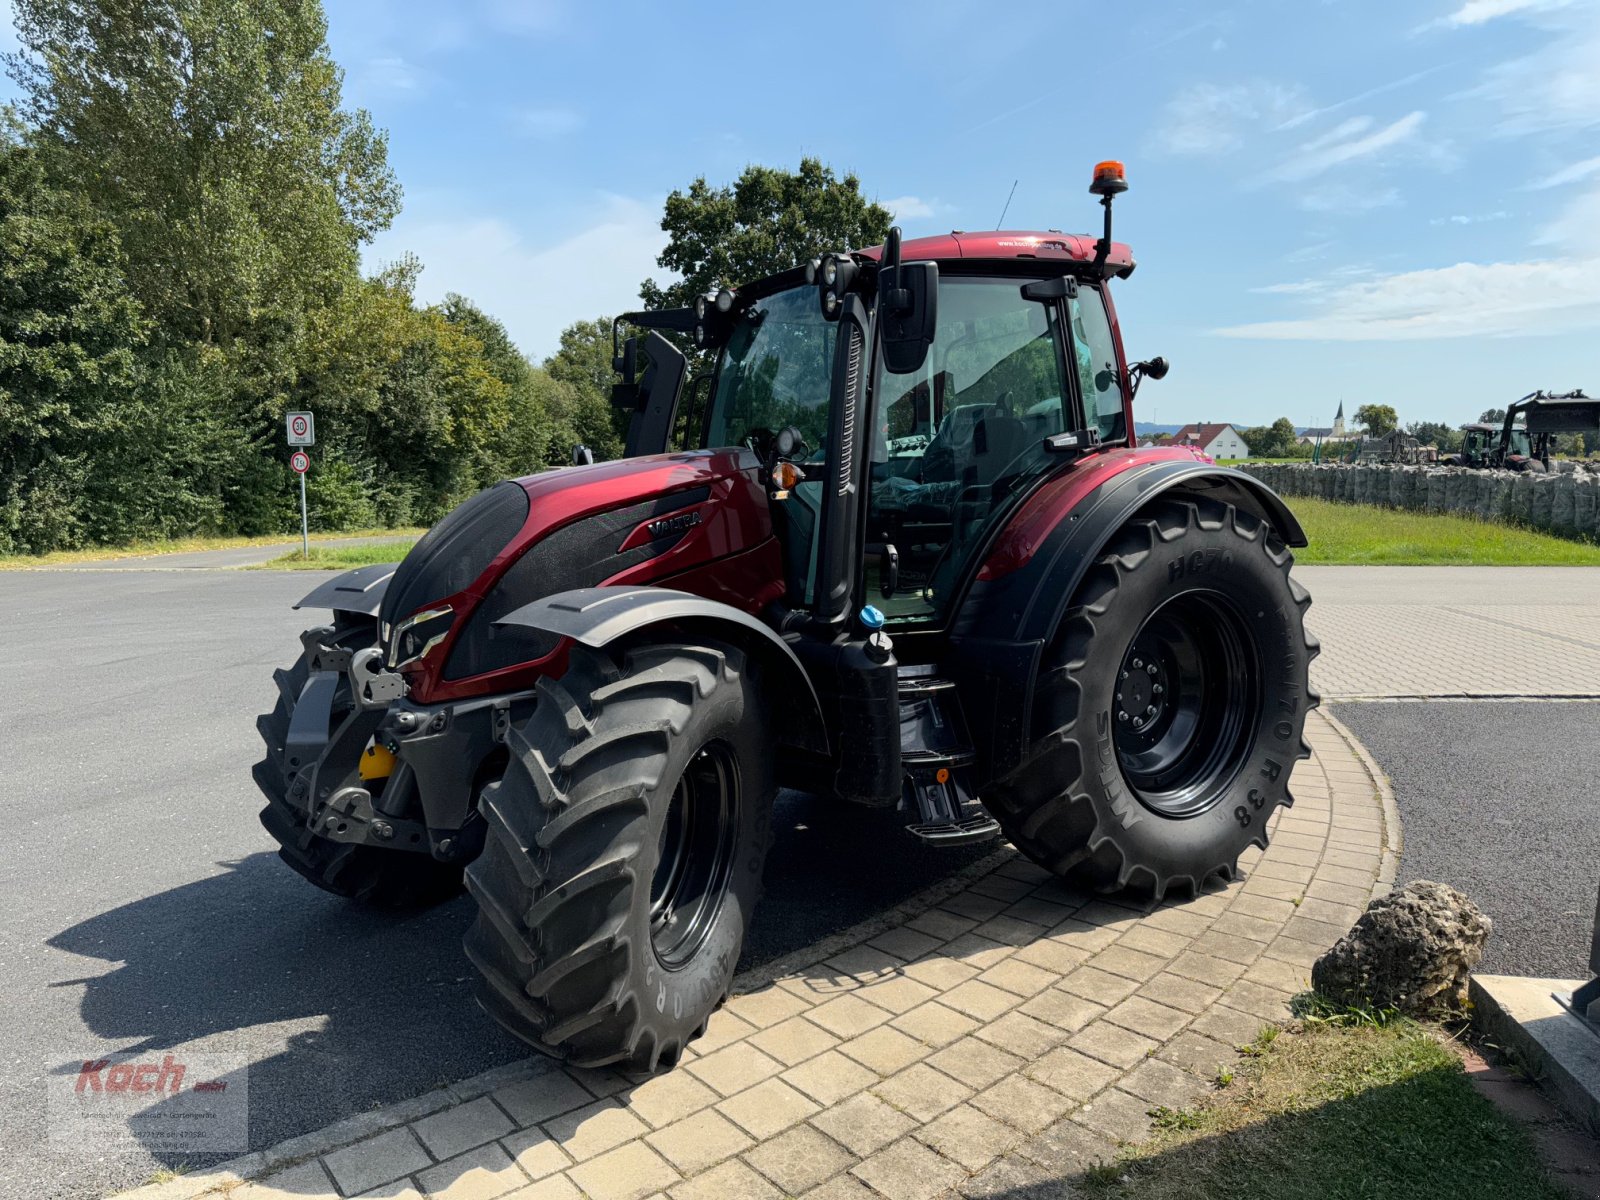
774,373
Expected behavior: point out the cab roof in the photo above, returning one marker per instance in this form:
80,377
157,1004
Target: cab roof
1049,245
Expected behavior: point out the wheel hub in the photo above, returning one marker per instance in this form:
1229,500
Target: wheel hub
1184,704
1142,689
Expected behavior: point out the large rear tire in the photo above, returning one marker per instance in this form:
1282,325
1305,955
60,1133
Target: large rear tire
1170,708
625,849
399,879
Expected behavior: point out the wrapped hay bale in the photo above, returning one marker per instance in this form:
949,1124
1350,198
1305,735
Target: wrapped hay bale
1563,504
1413,492
1585,499
1437,482
1483,496
1522,498
1500,490
1540,502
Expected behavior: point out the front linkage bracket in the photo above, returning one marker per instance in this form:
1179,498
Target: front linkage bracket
349,816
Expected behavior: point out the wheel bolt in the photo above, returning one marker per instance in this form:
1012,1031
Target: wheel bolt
1124,674
1156,690
1122,716
1138,664
1151,668
1151,711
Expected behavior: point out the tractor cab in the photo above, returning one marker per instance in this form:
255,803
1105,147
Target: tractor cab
959,371
1480,445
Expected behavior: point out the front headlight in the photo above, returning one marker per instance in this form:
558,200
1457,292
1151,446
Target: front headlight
418,634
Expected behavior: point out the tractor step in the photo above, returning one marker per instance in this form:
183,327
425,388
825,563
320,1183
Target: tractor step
937,758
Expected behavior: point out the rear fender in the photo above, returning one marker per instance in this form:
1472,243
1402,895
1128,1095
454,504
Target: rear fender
1011,613
601,616
358,591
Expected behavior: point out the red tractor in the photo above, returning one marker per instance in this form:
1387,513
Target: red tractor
913,560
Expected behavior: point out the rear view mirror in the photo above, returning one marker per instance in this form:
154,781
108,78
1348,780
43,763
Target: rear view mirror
908,307
625,393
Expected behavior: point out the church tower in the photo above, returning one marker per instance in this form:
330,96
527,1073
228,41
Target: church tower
1338,421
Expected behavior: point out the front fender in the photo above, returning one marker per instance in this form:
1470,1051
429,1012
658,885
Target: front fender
599,616
357,591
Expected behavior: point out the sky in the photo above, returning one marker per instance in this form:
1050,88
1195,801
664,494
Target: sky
1331,200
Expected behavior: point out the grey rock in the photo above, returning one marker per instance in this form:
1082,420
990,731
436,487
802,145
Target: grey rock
1411,950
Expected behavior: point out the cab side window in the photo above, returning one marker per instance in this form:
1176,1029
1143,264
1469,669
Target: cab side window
1095,351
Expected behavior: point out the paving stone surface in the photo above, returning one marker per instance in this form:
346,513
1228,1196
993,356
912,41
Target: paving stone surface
1382,628
1000,1042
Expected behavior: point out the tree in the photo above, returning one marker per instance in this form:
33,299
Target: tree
583,364
68,335
1278,440
769,220
1377,419
211,134
1492,416
1435,433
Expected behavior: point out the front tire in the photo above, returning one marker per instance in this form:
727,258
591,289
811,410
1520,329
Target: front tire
625,849
1170,708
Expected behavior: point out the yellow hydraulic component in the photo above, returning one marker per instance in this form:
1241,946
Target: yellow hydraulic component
377,762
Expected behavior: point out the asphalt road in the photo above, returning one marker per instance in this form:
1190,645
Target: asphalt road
142,907
1499,800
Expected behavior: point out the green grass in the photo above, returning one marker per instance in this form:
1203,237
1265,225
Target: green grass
1367,535
185,545
1335,1111
338,558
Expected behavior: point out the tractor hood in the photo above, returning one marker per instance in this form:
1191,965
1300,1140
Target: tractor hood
639,520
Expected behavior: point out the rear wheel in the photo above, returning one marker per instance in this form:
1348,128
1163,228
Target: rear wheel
367,874
1169,712
624,856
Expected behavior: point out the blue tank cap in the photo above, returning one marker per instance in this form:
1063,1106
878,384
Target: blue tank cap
870,618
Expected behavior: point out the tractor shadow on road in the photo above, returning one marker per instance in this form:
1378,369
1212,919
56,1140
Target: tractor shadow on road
339,1008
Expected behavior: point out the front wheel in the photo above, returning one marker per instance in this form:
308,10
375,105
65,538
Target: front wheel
1169,711
625,850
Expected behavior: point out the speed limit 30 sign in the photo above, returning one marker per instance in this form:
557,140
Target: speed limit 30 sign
300,461
302,428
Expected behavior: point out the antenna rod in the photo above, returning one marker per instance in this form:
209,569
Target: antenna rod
1007,208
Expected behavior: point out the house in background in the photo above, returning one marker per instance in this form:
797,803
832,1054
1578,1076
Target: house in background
1219,441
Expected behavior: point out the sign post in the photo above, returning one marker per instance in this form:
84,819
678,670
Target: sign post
302,430
301,462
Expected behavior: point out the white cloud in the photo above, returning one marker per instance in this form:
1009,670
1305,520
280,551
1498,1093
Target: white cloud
908,208
536,289
547,122
1342,200
1577,225
1476,12
1571,174
1210,118
1303,287
1556,294
1465,300
1470,218
1332,150
1557,86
